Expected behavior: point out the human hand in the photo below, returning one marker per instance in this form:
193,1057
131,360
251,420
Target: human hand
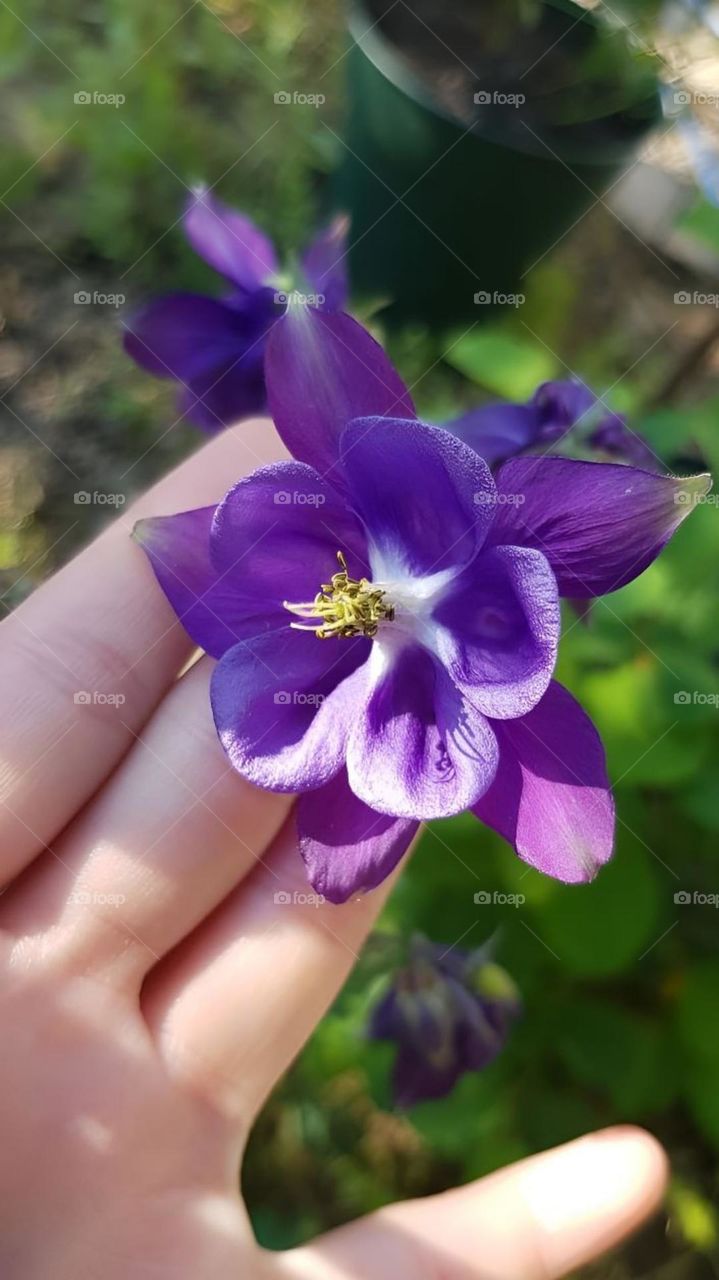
153,988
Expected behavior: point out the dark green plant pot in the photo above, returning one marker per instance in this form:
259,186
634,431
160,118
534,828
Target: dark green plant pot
442,211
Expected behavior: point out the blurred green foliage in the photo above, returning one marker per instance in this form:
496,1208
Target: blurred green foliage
199,84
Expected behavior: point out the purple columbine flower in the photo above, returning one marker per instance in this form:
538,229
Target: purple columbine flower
215,347
385,615
559,413
449,1012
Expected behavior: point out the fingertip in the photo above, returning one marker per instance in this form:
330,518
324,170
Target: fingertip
642,1152
588,1195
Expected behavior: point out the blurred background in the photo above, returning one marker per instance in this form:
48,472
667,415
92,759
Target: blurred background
533,188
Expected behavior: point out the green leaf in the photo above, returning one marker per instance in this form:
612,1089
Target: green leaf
557,1115
509,366
703,1097
648,735
697,1021
700,798
444,1123
616,1051
605,927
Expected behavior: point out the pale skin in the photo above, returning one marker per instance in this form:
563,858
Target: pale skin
152,991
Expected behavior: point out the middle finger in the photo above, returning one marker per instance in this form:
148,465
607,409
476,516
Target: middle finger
170,836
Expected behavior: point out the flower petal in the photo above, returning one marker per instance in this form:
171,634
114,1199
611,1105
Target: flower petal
416,1078
560,405
479,1039
233,387
283,704
600,524
229,241
183,334
225,394
497,630
416,748
347,847
426,499
496,431
551,797
208,605
276,535
614,437
325,264
323,370
422,1020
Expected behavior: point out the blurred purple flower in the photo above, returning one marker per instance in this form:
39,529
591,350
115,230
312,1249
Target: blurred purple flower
215,347
386,617
449,1012
557,411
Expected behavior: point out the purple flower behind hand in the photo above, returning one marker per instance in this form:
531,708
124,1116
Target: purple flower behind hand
215,347
559,413
449,1012
385,615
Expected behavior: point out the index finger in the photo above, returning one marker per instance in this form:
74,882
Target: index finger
96,637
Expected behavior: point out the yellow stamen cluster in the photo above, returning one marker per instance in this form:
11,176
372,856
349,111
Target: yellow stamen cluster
345,606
